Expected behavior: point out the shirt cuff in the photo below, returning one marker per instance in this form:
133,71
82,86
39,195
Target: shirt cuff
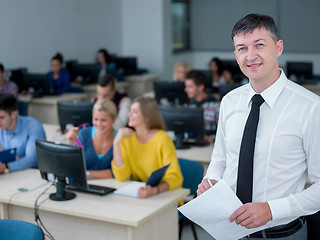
280,208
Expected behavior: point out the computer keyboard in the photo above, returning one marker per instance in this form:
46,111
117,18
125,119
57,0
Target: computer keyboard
94,189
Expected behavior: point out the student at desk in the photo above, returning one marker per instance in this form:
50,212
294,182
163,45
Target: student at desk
18,132
7,86
195,89
59,76
97,140
138,153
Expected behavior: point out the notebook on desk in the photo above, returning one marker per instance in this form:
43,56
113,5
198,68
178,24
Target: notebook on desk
131,189
8,155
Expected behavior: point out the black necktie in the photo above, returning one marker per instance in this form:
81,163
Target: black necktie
245,168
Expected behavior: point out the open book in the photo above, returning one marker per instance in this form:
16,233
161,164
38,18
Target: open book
8,155
131,189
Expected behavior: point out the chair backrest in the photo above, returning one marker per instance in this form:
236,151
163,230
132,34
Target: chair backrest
15,229
192,173
23,108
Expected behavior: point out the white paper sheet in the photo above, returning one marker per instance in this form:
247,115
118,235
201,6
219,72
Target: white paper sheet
212,209
130,190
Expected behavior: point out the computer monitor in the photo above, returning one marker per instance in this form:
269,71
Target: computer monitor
87,72
37,84
16,75
74,113
66,163
183,121
172,91
299,71
126,65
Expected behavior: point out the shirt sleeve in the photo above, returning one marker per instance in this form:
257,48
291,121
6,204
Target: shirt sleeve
173,176
123,117
124,172
217,164
307,201
30,159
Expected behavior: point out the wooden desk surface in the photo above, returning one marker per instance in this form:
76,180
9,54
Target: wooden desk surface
53,99
110,208
143,77
195,153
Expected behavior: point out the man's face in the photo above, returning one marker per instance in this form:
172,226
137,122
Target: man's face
192,89
6,120
257,55
105,93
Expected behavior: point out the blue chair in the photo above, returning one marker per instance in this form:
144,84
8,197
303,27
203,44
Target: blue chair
192,176
23,108
16,230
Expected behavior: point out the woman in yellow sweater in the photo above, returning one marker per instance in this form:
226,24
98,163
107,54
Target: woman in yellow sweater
138,153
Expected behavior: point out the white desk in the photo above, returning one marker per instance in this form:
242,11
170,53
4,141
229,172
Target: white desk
91,90
140,84
45,108
89,216
52,134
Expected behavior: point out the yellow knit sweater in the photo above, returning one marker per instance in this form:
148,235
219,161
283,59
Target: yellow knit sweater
141,159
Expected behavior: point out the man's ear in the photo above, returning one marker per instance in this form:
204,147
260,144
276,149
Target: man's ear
14,114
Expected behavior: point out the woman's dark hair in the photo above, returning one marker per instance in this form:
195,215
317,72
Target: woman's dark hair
106,55
58,57
219,64
255,21
1,68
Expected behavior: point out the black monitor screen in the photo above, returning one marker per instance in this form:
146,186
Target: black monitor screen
88,73
65,162
183,120
74,113
172,91
300,70
16,75
37,84
126,65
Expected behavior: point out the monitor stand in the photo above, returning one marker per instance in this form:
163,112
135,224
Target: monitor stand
62,194
179,141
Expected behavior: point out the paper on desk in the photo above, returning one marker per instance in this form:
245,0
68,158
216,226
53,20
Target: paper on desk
212,209
130,190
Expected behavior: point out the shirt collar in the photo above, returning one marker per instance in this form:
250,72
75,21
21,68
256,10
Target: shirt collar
270,94
18,127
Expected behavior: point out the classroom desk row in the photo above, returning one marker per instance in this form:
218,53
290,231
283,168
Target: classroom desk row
91,216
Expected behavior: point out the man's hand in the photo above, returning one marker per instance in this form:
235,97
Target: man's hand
204,185
2,167
252,215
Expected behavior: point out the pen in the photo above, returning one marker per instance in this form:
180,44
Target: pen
209,182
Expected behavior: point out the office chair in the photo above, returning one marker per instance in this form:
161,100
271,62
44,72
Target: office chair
192,176
15,229
23,108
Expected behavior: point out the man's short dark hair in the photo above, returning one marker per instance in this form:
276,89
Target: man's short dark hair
8,103
255,21
107,81
1,68
198,77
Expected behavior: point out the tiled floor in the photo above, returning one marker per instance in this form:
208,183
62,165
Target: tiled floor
188,235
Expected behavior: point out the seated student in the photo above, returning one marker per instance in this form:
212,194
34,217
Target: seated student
18,132
195,89
97,140
106,89
228,75
107,66
7,86
59,77
136,154
216,77
180,71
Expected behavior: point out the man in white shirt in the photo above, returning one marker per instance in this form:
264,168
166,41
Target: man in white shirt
287,139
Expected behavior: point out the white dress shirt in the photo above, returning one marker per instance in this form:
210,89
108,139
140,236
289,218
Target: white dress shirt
287,147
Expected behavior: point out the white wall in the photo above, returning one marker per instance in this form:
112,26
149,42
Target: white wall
145,32
33,31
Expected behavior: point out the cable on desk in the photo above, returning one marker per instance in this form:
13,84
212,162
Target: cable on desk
37,215
20,192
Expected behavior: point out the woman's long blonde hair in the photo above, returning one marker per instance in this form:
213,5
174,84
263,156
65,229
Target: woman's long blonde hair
150,111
